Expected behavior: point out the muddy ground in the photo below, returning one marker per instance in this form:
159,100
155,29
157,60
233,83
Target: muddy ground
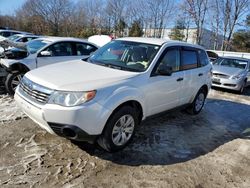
174,150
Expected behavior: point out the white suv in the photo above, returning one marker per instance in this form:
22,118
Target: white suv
121,84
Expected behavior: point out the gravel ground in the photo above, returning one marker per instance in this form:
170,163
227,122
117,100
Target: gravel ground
174,150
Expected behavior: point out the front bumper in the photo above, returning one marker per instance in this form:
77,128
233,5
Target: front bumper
87,121
227,83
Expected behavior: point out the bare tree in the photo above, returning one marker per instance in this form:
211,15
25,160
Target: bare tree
116,11
52,11
197,10
158,13
215,21
233,10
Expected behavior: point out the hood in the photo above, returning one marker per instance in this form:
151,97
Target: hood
15,53
77,76
227,70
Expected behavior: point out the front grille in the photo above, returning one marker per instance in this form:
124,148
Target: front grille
34,91
218,75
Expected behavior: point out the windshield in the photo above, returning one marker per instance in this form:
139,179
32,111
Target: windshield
236,63
35,45
13,37
125,55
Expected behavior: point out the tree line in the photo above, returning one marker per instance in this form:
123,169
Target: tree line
84,18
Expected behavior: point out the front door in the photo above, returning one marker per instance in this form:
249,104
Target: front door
163,92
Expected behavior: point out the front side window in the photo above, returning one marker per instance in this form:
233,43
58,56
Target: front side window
60,49
13,37
171,59
189,60
125,55
35,45
84,49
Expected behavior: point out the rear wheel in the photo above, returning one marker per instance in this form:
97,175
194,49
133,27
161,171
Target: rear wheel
12,81
119,129
198,102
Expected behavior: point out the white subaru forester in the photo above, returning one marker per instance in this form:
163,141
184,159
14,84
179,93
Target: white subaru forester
105,97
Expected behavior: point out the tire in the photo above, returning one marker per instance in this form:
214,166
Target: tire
242,89
12,81
198,103
113,136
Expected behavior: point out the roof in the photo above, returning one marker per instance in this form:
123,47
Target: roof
158,41
26,35
233,57
9,30
63,39
58,39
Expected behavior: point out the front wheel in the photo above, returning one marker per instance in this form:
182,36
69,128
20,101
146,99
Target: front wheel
119,129
198,102
242,89
12,81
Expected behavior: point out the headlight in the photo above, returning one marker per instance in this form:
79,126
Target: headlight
239,76
64,98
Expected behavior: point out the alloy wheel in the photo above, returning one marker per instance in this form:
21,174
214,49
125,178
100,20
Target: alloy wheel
123,130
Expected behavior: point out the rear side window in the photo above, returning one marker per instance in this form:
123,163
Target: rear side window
203,58
84,49
61,49
5,34
189,60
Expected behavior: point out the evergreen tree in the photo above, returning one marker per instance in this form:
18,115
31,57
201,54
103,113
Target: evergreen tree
177,31
136,29
241,38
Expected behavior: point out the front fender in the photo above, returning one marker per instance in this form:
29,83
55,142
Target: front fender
6,63
122,95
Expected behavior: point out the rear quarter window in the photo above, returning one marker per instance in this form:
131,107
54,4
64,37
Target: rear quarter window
203,58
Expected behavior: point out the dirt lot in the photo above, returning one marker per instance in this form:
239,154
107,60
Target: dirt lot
175,150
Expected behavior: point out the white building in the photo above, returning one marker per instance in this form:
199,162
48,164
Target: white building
208,37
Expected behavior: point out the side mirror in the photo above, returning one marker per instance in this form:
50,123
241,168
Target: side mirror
45,53
164,70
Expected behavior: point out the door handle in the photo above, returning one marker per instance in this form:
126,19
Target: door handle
179,79
201,74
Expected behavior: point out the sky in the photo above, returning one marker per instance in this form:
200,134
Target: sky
8,7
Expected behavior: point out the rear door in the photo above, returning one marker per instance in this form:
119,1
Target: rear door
163,92
189,67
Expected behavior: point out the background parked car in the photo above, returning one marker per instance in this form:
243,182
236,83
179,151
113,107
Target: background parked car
212,56
23,37
41,52
18,38
100,40
7,32
231,73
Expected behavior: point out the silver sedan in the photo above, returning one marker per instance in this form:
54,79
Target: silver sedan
231,73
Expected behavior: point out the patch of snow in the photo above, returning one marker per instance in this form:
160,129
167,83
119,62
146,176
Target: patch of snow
9,111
